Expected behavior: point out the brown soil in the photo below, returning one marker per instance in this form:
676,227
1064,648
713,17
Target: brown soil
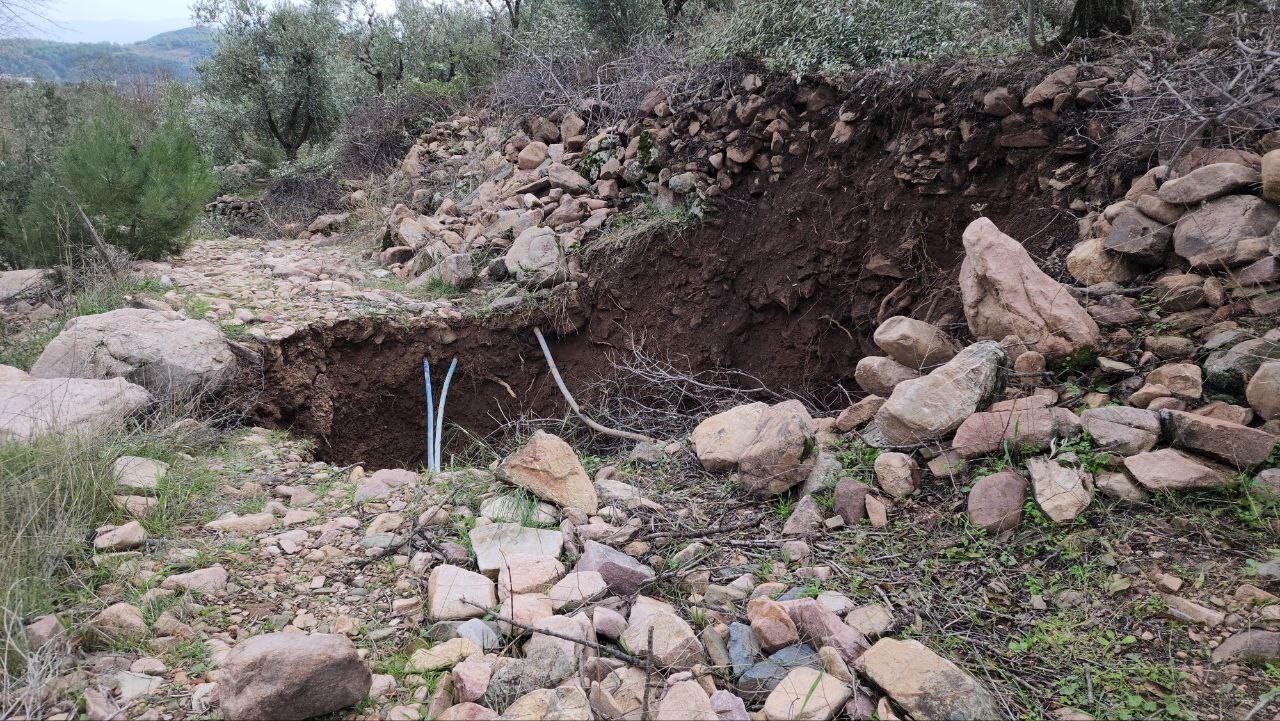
774,284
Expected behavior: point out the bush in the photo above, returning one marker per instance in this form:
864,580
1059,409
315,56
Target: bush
140,188
799,37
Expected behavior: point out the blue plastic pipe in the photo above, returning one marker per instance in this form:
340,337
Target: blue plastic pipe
431,421
444,394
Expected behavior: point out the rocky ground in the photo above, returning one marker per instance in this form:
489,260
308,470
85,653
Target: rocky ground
1066,508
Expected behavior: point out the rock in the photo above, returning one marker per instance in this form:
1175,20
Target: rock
805,518
471,679
1061,492
1090,263
685,701
771,624
879,375
930,407
139,474
494,543
564,177
897,473
914,343
783,451
1189,612
720,439
1231,370
1056,83
512,508
1156,209
674,647
452,591
1167,469
873,620
467,711
382,483
577,588
32,408
763,677
1232,443
821,626
566,703
1116,310
850,500
1137,237
995,502
532,155
1208,235
1263,391
548,467
1208,182
806,695
926,685
117,622
443,655
728,707
743,648
1122,429
523,572
291,676
621,573
1032,429
1005,293
608,622
1183,380
1120,487
205,581
120,538
160,351
1254,646
999,102
858,413
43,631
536,257
252,523
15,284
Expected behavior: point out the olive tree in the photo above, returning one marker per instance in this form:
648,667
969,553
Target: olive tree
275,70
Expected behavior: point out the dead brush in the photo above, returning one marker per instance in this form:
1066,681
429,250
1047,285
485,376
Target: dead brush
539,81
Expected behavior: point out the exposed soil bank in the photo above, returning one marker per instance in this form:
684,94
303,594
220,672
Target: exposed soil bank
786,282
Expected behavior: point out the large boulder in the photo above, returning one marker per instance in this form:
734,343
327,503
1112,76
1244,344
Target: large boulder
1232,369
548,467
292,676
720,439
926,685
783,451
31,408
914,343
1005,293
930,407
162,351
536,257
1208,182
1208,235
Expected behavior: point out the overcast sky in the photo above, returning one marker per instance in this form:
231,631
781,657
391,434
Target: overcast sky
119,21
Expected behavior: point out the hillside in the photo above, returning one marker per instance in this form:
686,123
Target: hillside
173,53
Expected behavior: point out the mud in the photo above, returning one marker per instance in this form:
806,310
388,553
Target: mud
776,284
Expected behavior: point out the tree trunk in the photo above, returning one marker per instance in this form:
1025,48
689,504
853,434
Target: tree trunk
1092,18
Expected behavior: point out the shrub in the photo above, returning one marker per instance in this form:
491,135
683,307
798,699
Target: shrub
799,37
140,188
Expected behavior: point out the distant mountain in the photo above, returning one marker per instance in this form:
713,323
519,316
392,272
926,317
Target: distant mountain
172,54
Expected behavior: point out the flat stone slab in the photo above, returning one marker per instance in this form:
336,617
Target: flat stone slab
494,543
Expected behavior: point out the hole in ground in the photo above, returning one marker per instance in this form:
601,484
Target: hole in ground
776,285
